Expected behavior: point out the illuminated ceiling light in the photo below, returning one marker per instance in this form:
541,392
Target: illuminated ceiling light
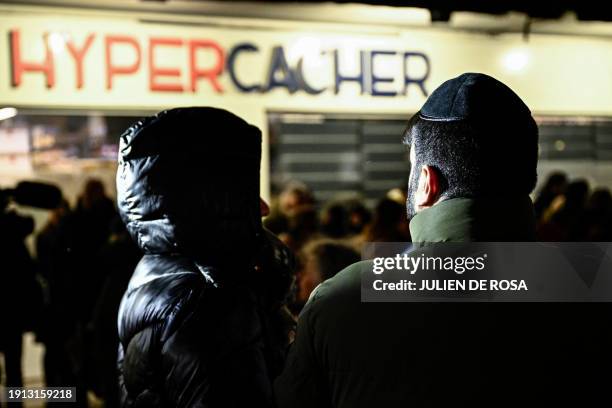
307,47
559,145
515,60
7,113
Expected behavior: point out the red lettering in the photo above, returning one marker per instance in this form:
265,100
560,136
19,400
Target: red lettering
156,72
19,66
112,69
78,55
211,73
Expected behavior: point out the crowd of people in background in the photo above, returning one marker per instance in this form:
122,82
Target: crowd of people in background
72,288
327,237
69,293
569,210
330,236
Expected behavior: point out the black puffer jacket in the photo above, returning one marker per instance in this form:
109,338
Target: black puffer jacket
199,325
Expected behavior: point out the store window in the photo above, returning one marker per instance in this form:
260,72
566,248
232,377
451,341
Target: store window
338,156
343,156
575,139
61,147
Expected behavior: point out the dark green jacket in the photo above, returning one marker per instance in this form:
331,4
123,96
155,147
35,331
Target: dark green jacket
484,220
349,354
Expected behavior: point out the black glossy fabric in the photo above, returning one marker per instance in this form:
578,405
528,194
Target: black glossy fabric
475,97
200,323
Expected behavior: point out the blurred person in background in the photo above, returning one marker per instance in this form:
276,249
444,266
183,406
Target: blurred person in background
564,219
294,197
70,262
390,223
61,313
84,232
293,216
116,262
571,214
473,166
599,216
555,185
20,293
320,260
303,227
359,216
90,228
335,220
276,223
202,322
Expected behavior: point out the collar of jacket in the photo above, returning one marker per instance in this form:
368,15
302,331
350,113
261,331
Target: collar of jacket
490,219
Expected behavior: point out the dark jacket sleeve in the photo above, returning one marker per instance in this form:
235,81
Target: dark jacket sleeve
215,357
303,381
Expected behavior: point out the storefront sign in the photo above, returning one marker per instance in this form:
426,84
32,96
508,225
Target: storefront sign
274,71
105,61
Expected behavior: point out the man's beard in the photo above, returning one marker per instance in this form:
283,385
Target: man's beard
412,189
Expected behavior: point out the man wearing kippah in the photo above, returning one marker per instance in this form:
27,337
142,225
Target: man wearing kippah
473,149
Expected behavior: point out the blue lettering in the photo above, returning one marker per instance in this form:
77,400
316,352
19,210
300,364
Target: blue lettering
360,78
375,79
302,83
278,64
231,62
418,81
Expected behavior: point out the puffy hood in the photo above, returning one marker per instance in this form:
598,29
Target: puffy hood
188,183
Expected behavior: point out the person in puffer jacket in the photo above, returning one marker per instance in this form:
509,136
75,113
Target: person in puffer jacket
202,323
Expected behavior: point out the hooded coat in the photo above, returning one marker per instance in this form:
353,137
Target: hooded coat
199,324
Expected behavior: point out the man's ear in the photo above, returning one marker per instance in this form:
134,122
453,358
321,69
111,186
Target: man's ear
428,191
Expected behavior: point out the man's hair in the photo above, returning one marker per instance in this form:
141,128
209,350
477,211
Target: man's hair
473,160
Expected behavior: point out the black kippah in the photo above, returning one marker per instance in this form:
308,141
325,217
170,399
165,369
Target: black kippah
474,97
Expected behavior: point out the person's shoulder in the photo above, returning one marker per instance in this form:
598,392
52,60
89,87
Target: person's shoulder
347,282
167,273
160,289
